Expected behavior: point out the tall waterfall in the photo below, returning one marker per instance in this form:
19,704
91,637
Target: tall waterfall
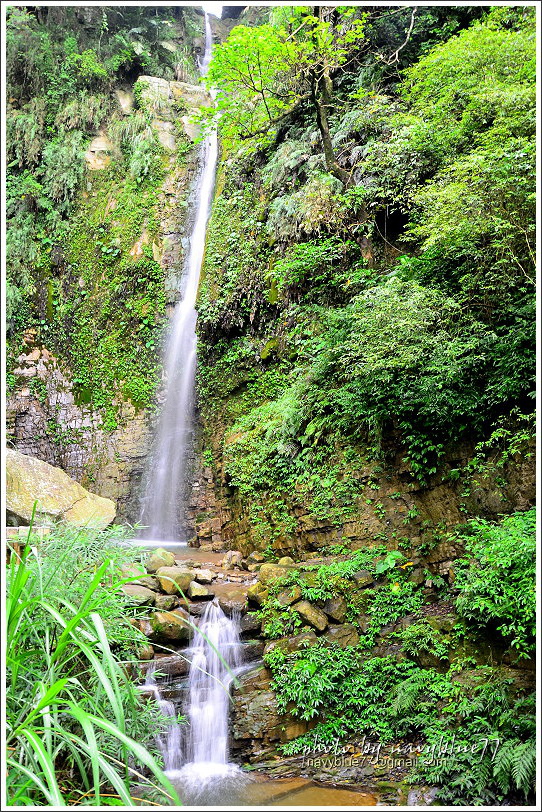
165,486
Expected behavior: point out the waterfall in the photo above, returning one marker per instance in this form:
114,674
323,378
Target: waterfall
196,756
163,503
215,654
170,741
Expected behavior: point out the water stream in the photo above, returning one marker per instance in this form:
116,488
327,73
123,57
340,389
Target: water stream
163,504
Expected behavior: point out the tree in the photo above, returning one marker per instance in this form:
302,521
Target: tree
265,74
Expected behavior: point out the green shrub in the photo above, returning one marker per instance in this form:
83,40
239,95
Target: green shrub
497,585
75,722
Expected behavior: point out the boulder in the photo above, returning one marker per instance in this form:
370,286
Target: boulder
343,635
196,609
233,558
288,644
150,582
442,623
166,626
205,576
255,557
29,480
196,590
252,651
171,665
249,623
145,652
231,597
314,616
137,571
335,608
166,602
363,578
173,579
257,593
289,595
285,561
272,572
139,595
253,567
160,558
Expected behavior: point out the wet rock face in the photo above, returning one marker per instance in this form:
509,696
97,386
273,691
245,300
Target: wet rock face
257,727
47,416
44,419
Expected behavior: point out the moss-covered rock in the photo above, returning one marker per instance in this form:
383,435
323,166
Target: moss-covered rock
160,558
139,595
167,626
173,579
314,616
30,481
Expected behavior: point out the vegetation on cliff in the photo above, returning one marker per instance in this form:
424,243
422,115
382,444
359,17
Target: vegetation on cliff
71,278
344,317
366,320
415,674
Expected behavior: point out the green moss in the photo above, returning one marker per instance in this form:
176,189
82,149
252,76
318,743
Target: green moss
110,311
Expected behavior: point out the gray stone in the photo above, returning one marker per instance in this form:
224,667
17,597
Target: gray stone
249,623
289,644
335,608
343,635
363,578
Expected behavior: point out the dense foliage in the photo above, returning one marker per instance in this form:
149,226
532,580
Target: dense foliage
342,317
497,584
78,732
70,230
449,708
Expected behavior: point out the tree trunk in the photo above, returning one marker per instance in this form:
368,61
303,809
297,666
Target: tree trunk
321,98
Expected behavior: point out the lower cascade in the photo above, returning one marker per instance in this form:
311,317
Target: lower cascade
196,755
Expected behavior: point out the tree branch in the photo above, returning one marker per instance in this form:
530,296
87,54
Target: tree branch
395,56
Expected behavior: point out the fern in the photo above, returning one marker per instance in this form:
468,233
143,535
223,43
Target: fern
523,762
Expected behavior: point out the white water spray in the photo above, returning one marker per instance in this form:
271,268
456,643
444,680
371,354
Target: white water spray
163,504
196,755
